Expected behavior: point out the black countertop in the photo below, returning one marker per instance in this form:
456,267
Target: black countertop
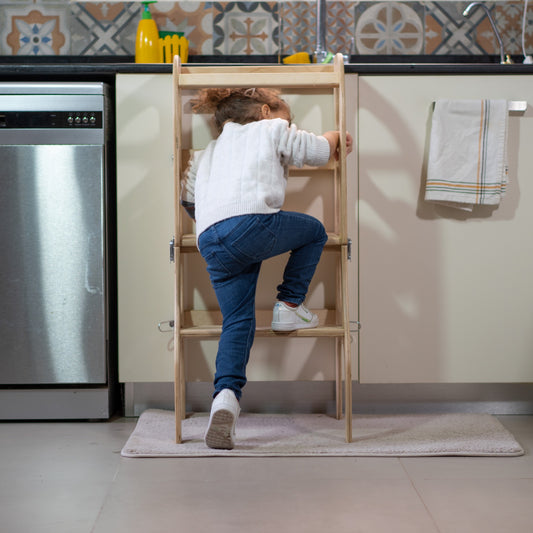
103,67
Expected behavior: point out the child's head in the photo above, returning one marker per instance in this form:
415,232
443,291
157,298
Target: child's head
240,105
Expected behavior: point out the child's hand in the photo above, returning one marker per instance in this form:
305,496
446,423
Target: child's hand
333,138
349,143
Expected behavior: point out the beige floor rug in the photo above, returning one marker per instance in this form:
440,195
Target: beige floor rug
321,435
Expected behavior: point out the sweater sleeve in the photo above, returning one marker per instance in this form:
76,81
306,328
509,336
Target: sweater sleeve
300,147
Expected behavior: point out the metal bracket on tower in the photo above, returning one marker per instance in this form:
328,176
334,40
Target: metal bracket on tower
355,326
165,326
171,251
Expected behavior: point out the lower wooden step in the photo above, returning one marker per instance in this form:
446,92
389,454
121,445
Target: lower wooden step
199,323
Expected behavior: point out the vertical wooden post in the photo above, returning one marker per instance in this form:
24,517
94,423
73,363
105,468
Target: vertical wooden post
178,352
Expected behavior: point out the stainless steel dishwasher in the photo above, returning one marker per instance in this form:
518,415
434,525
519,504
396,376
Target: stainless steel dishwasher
54,320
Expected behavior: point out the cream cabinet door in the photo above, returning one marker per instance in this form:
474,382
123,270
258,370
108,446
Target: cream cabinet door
444,296
145,220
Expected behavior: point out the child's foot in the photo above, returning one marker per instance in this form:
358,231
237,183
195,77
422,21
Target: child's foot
224,413
290,318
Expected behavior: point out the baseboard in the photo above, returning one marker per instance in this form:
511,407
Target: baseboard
319,396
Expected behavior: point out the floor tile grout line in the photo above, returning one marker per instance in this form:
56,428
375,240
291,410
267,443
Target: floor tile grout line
106,495
415,488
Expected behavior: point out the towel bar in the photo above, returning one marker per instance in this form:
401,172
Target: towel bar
514,106
517,105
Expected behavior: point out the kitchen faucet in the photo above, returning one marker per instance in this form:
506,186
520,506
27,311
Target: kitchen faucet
320,53
466,13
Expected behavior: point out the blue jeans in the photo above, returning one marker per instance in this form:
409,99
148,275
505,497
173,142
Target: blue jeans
233,250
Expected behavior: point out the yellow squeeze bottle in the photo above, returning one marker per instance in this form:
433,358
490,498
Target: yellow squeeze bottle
147,49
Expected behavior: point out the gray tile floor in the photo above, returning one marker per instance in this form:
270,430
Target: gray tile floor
69,477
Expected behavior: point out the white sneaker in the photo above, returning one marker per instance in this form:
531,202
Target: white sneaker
287,318
225,410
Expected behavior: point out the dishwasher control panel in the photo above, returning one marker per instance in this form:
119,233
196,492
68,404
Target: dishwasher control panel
50,119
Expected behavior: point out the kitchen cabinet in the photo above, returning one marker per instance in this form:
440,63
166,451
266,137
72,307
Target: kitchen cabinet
442,296
145,226
145,219
445,296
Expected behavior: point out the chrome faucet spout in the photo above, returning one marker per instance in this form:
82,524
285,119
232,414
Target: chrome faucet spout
473,5
320,52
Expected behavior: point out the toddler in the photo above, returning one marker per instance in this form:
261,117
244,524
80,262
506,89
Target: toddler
235,190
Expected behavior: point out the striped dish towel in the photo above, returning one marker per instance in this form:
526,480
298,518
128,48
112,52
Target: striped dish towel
467,162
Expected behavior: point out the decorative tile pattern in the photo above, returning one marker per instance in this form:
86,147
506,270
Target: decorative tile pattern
448,32
508,19
36,30
389,28
105,28
36,27
193,19
340,26
298,26
245,28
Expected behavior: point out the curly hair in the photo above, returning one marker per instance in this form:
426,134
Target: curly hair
240,105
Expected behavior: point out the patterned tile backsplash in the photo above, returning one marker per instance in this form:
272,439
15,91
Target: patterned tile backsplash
48,27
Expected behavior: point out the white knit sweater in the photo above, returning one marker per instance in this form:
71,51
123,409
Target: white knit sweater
244,171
